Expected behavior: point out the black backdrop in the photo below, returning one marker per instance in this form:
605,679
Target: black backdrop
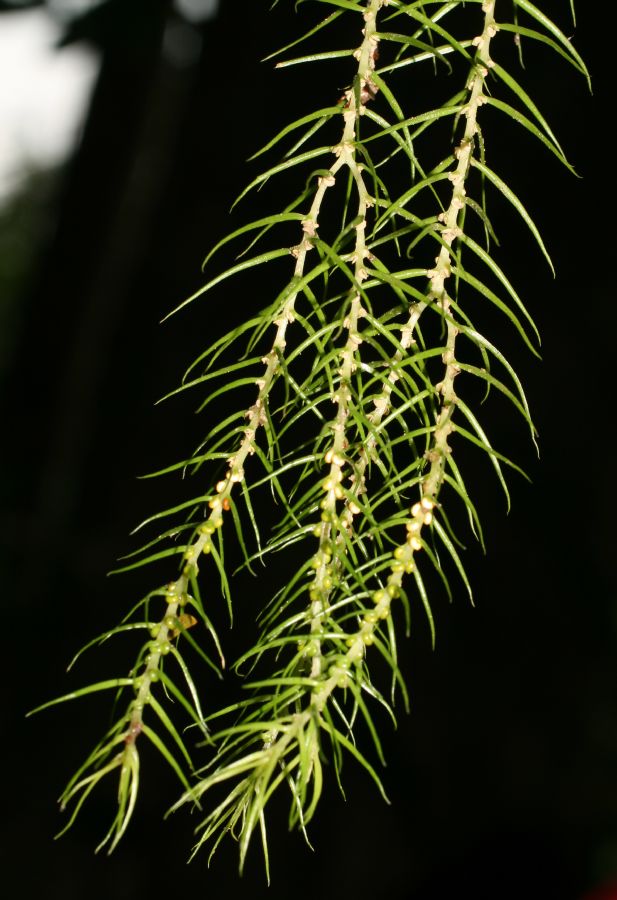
504,777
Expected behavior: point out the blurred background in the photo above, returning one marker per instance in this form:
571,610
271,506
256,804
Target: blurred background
124,130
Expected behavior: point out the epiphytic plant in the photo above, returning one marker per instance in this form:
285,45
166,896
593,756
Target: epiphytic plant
355,426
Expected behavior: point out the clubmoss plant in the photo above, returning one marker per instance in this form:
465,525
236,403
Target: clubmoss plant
356,424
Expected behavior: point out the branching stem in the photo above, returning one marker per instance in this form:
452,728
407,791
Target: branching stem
380,461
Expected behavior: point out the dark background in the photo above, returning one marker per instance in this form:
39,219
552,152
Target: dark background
503,779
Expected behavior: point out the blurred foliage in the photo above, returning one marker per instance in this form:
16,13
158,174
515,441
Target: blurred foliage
25,225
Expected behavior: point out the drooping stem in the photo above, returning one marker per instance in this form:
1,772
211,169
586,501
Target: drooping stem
256,414
451,230
386,433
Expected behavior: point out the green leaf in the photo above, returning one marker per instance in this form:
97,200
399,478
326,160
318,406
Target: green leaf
443,536
281,167
240,267
315,57
340,738
432,26
488,260
344,4
274,219
533,109
482,441
542,38
163,750
323,24
160,711
485,291
82,692
101,638
503,188
425,603
550,26
526,123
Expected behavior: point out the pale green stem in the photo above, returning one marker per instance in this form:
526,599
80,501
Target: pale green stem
438,454
335,457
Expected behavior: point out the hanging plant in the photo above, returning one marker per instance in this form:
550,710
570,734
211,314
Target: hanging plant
356,433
